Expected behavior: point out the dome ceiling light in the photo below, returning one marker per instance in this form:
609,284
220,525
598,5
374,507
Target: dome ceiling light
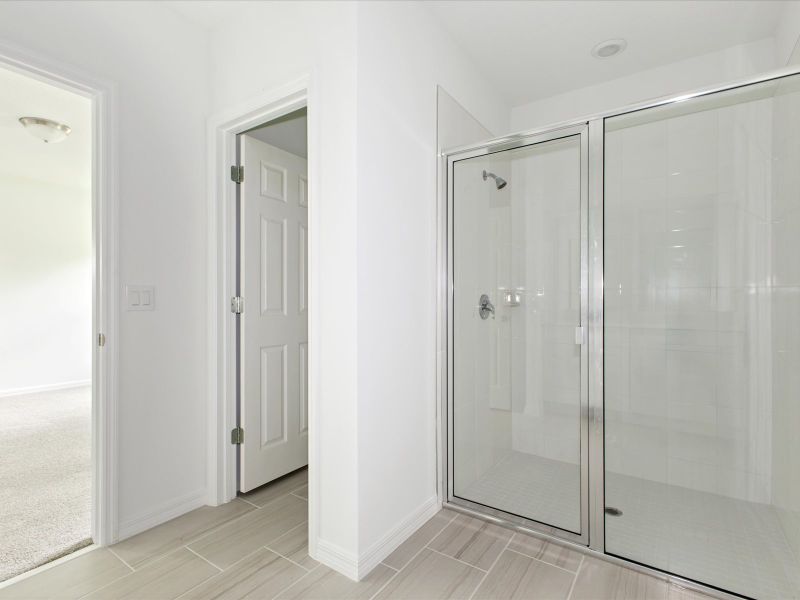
50,132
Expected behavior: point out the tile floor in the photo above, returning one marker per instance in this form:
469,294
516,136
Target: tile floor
256,547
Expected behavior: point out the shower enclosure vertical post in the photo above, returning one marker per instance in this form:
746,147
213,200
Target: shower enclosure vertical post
595,262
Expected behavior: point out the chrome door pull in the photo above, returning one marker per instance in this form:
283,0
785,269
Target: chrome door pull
485,308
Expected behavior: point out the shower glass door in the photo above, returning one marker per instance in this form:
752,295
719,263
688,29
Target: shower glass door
702,338
517,433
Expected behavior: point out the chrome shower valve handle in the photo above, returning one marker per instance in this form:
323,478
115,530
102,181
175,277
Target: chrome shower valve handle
485,307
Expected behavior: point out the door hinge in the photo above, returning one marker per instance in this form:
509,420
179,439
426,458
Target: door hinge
237,436
237,173
101,339
237,305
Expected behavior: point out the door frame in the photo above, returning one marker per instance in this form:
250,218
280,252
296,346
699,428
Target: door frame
222,131
581,130
105,250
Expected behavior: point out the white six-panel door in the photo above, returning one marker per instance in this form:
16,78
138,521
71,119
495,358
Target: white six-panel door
274,323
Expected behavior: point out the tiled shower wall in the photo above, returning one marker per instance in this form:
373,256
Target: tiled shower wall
688,373
481,419
545,259
786,313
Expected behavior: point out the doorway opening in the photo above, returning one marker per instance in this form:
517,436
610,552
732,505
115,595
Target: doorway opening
272,309
47,310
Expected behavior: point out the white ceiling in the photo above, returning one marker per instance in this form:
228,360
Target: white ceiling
533,50
209,14
289,133
66,163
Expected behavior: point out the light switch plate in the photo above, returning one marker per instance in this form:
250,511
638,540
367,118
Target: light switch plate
140,297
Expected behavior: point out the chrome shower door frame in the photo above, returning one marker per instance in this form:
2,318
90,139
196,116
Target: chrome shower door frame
587,499
592,540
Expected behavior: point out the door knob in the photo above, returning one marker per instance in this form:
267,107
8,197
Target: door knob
485,307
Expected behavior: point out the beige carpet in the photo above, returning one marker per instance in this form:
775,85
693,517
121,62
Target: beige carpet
45,477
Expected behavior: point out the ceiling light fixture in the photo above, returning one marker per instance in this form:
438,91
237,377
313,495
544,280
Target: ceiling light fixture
50,132
609,48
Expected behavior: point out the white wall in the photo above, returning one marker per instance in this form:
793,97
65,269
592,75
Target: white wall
455,126
158,63
264,47
289,133
787,46
683,76
46,291
388,247
402,56
372,112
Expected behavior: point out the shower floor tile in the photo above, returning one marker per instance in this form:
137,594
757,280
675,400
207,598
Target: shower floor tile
545,490
729,543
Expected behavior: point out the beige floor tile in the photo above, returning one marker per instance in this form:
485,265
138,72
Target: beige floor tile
71,579
419,539
274,489
163,579
294,546
261,575
518,577
678,593
325,584
302,492
598,579
549,552
237,539
432,576
474,541
173,534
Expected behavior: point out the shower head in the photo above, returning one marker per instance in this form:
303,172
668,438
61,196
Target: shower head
498,181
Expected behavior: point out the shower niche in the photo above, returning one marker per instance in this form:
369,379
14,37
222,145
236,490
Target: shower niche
635,389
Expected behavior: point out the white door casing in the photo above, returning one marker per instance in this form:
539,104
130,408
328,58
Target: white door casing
274,323
105,304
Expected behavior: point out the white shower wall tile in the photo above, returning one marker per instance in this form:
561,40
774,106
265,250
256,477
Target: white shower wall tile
691,196
785,304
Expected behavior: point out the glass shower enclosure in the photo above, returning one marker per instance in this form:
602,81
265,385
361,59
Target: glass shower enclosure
623,335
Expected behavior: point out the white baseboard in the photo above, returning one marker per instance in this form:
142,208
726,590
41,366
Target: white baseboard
167,511
358,567
337,558
50,387
372,556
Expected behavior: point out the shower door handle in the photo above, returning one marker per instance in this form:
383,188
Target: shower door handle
485,307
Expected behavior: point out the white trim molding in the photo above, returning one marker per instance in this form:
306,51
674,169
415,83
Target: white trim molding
48,387
337,558
357,567
163,513
105,242
373,555
221,276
